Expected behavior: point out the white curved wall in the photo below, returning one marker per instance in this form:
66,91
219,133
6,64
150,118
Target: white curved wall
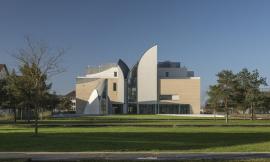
147,76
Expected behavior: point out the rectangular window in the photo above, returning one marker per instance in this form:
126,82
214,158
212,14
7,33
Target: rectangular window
115,74
167,74
165,97
114,87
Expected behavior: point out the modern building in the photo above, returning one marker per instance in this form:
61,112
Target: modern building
72,96
3,71
148,87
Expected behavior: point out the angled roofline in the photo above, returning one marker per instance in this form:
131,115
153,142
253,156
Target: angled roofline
146,52
138,62
123,66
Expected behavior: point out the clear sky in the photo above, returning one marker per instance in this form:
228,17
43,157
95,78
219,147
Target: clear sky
204,35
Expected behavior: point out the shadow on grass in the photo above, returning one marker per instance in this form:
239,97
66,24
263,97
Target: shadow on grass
126,141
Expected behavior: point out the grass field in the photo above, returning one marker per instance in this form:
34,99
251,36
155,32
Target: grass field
214,160
133,138
147,120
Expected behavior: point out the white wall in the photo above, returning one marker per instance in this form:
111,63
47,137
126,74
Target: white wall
147,76
109,73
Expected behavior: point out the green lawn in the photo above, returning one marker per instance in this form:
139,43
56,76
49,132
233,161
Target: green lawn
153,120
214,160
184,139
147,120
149,137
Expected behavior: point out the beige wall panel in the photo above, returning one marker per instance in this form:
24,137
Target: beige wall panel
187,89
120,86
83,91
113,94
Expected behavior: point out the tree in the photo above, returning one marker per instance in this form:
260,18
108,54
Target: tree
3,93
226,84
250,83
214,98
51,102
13,88
264,102
37,62
65,104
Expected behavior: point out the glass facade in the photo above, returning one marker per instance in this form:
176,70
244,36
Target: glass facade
147,109
132,109
185,109
117,108
132,84
174,109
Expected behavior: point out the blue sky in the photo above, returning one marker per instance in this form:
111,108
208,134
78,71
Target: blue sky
206,36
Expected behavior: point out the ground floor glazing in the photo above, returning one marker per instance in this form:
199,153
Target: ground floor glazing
134,108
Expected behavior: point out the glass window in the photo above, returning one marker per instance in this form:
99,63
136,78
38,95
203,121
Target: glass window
132,84
165,97
114,87
132,108
167,74
115,74
147,109
168,108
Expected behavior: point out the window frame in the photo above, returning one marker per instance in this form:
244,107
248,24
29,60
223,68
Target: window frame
114,87
167,74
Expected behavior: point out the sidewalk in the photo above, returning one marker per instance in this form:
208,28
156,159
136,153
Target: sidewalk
67,156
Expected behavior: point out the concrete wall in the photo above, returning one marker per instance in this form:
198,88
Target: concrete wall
188,91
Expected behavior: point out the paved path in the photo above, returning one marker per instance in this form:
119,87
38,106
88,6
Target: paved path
68,156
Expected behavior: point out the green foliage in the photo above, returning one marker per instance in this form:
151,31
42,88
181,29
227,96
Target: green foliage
223,93
65,104
239,91
250,83
214,100
3,92
30,88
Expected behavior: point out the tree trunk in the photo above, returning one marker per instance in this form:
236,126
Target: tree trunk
15,115
227,117
21,113
28,114
226,110
215,114
252,112
41,114
36,120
